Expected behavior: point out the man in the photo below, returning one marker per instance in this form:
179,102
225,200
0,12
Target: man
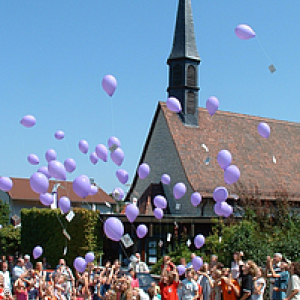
27,264
67,272
6,276
281,281
139,266
18,270
205,281
276,262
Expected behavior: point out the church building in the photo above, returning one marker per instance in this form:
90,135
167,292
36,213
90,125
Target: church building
186,145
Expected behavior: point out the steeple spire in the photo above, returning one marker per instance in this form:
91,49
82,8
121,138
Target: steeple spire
183,62
184,43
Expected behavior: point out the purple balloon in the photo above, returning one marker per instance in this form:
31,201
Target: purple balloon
165,179
57,170
244,32
59,135
143,171
218,208
89,257
79,264
179,190
28,121
118,194
131,212
212,105
264,130
70,165
158,213
117,156
227,210
122,176
83,146
197,263
94,158
64,204
39,183
113,141
82,186
46,199
114,229
102,152
196,199
160,202
232,174
181,270
109,84
224,159
33,159
93,190
37,252
50,155
199,241
141,231
220,194
6,184
174,105
44,170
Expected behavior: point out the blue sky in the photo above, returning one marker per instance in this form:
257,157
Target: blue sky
54,54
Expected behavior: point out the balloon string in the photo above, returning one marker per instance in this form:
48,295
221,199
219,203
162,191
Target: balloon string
263,49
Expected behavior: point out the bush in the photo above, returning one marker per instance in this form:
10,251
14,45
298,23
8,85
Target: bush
10,240
44,227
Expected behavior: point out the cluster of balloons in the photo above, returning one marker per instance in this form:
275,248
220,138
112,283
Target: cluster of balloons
80,263
212,105
231,172
160,202
222,208
37,252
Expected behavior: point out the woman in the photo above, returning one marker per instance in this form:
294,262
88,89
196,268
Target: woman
248,272
230,288
168,284
6,296
235,265
259,285
20,290
293,289
133,279
123,289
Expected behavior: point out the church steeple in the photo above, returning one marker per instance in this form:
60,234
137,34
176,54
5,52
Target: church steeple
183,64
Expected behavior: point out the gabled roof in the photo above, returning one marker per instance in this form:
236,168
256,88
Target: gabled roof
21,190
260,175
184,42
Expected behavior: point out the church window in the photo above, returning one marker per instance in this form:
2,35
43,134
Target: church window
177,75
191,76
190,103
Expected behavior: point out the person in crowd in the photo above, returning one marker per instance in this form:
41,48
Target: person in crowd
169,281
276,267
259,285
133,279
235,265
213,261
105,282
18,270
27,264
205,281
152,293
293,288
5,294
189,287
249,272
281,280
6,276
168,264
230,287
138,265
20,290
216,291
46,266
10,264
124,291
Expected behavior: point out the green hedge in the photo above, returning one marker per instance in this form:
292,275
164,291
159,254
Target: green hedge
44,227
10,240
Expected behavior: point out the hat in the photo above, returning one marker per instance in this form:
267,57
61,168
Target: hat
26,256
278,254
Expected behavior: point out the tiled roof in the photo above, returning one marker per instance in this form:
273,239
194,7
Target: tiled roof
21,190
251,153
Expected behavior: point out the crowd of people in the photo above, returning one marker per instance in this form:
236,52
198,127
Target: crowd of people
243,280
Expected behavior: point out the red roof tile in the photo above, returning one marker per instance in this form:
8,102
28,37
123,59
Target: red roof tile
21,190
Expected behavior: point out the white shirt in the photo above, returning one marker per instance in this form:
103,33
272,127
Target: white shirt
259,281
189,289
139,267
293,284
6,277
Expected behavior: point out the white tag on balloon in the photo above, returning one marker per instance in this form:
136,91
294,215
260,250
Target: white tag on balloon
107,204
65,251
169,236
93,207
188,242
160,244
127,241
274,159
70,216
205,147
66,234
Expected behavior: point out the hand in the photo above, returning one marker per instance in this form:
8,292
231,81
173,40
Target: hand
275,289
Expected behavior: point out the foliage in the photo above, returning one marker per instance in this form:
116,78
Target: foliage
4,213
10,240
44,227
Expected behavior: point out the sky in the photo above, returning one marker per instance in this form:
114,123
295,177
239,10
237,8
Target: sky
54,54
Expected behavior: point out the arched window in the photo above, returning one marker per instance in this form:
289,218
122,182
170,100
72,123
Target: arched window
191,76
190,103
177,75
